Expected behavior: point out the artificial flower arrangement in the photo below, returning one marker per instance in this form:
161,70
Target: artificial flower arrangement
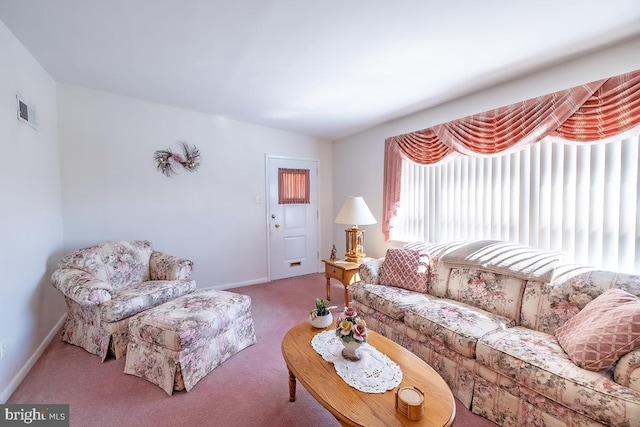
351,327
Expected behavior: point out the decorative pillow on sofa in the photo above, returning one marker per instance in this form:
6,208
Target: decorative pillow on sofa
405,268
603,331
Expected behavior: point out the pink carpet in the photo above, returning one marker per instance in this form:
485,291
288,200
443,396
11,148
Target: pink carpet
249,389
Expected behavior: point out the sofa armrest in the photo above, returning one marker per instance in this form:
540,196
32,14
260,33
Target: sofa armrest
81,286
168,267
627,372
370,271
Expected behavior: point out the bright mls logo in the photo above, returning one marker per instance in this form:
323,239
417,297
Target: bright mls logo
34,415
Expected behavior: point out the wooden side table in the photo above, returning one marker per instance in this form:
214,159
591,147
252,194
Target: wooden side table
345,272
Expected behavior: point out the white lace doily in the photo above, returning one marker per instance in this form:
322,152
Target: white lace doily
373,373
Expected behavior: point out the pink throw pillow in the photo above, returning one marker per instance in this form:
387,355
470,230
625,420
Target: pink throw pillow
405,268
606,329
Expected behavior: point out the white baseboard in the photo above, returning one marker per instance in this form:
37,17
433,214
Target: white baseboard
15,382
238,284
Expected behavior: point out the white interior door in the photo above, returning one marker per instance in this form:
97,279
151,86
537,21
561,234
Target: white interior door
293,228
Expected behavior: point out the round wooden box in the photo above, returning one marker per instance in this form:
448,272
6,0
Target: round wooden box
410,402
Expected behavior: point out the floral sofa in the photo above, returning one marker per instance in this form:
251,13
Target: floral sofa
521,337
105,284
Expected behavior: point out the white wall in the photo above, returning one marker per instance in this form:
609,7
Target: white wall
112,190
368,146
30,213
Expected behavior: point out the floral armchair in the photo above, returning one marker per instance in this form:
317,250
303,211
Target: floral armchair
105,284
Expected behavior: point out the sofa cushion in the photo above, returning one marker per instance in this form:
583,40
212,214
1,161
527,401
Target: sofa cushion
496,293
606,329
405,268
118,263
547,306
389,300
457,325
191,320
535,360
133,300
438,278
507,258
369,271
627,370
438,272
508,403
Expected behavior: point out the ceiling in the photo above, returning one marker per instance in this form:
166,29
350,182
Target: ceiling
326,69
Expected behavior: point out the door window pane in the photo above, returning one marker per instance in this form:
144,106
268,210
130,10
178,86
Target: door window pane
293,186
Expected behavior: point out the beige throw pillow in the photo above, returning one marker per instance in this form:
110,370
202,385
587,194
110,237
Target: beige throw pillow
603,331
405,268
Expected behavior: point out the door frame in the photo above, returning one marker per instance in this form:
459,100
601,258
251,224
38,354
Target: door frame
268,158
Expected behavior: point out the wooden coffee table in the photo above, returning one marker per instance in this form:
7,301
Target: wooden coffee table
355,408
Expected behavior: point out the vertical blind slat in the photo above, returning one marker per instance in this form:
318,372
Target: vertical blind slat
496,196
487,197
507,188
555,207
544,197
595,204
464,197
525,169
569,199
534,196
581,247
456,200
637,219
611,197
628,196
514,205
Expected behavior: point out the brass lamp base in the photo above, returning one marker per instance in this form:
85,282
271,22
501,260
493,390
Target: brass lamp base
354,244
354,258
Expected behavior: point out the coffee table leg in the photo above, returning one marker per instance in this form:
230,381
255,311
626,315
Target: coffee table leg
328,289
292,387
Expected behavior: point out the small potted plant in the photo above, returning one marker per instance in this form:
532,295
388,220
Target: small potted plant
321,317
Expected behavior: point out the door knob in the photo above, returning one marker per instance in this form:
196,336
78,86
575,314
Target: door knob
277,225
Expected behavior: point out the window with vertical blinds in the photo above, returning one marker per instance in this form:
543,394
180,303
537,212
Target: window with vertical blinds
578,199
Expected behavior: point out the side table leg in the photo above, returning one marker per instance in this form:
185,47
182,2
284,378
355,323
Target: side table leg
292,387
328,289
346,296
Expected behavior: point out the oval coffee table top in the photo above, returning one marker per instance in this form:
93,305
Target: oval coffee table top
355,408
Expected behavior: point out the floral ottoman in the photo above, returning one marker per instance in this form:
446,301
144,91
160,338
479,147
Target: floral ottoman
177,343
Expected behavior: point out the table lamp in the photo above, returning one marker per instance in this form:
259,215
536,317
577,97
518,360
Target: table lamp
355,211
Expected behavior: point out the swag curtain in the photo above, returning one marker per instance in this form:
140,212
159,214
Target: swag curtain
586,113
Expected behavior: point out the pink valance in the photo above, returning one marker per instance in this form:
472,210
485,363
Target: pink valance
585,113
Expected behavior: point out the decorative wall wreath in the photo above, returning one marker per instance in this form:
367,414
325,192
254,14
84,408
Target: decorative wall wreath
167,161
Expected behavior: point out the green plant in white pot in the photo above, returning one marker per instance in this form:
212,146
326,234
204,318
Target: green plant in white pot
321,316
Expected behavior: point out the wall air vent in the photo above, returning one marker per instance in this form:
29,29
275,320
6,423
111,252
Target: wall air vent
26,114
